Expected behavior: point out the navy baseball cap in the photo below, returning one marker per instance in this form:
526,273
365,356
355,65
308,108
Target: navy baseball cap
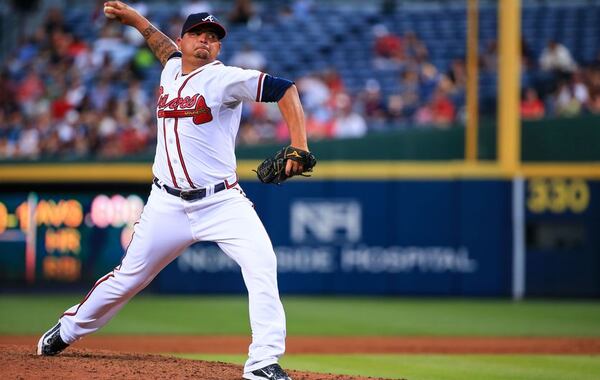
199,19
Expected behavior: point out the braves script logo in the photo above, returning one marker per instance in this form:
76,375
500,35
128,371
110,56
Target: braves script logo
189,106
210,18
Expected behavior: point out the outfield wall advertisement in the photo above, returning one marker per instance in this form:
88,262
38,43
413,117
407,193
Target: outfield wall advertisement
417,237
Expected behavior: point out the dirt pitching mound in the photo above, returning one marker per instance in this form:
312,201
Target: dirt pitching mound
21,362
161,344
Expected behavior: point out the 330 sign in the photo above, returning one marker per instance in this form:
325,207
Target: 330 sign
558,195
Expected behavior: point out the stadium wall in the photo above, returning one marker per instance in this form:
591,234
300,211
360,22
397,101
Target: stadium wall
409,236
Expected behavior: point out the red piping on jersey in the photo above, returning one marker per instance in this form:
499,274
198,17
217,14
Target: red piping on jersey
259,88
106,277
181,155
187,176
228,186
168,159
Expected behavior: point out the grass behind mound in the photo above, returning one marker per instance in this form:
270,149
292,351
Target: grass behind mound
439,367
327,316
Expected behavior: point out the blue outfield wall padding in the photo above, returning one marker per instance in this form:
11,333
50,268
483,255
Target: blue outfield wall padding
450,236
434,237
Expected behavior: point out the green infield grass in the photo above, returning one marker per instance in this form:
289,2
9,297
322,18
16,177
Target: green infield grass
331,316
439,367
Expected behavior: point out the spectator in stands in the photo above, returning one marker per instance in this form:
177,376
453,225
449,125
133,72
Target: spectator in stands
11,134
314,93
264,120
564,101
54,21
249,58
111,43
142,62
318,92
532,108
29,91
51,146
439,111
594,104
242,13
444,111
318,126
557,58
592,79
4,150
101,93
424,115
489,59
66,131
347,123
59,105
372,102
333,80
137,102
29,142
429,79
8,88
247,134
579,88
458,73
75,92
410,91
76,47
388,49
414,49
527,59
394,110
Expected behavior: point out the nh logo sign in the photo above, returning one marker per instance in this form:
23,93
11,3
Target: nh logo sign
326,221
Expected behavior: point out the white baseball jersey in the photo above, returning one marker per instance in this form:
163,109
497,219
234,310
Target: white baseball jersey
198,117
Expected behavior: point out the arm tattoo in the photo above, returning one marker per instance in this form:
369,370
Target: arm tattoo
161,45
148,32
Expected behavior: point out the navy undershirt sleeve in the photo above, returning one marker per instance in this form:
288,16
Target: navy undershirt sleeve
175,54
274,88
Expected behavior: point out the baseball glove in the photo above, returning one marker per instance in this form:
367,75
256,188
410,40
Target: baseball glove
272,170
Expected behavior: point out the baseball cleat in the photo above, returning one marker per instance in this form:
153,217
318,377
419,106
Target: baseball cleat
270,372
51,343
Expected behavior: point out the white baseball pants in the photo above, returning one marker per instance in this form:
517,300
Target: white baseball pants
167,226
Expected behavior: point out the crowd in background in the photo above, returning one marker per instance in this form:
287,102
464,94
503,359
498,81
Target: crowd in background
63,97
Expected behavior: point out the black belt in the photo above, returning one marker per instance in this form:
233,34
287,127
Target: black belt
189,195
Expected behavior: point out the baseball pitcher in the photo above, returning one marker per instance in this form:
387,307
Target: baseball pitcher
195,194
